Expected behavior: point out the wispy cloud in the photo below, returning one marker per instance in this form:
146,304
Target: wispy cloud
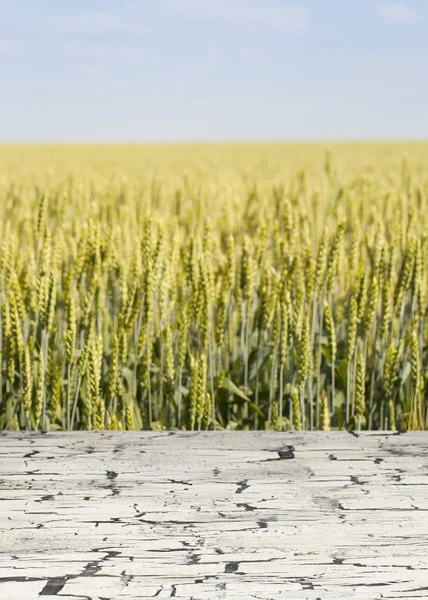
103,50
396,12
153,22
10,47
273,15
168,17
93,23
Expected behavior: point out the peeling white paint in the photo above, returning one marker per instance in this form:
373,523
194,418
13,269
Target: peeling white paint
213,515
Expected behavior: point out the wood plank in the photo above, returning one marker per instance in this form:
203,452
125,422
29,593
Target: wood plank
213,515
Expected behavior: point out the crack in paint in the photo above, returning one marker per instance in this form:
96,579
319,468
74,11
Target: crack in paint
242,486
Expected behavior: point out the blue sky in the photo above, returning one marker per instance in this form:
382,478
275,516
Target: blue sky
197,70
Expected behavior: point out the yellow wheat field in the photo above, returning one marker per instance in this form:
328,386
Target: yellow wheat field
207,287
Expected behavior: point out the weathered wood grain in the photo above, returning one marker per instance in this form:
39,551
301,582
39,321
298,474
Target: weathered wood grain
105,515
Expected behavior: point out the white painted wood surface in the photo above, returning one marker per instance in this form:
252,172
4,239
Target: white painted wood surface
105,515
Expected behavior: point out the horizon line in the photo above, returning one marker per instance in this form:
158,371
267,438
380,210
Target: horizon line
213,142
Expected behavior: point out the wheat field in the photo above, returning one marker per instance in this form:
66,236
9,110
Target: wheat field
214,287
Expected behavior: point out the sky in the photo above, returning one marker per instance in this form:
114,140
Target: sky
218,70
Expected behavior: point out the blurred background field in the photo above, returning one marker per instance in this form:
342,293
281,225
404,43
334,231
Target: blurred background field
279,158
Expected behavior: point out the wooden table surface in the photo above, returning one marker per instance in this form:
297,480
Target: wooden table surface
213,515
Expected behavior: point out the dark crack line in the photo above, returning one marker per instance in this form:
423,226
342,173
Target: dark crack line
247,507
46,498
180,482
31,454
242,486
20,579
111,476
54,585
193,559
355,480
125,578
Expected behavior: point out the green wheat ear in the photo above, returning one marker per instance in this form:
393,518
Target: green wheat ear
352,329
331,332
297,412
360,405
325,412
